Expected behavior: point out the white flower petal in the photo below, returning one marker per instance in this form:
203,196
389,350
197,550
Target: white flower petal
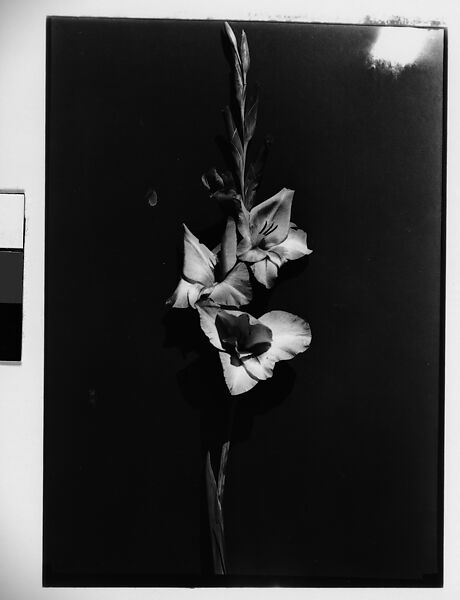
244,245
208,315
199,261
236,377
194,294
259,367
269,221
185,295
293,247
275,258
236,288
252,255
265,272
228,247
291,334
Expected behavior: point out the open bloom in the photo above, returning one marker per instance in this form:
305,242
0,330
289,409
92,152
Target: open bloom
224,281
269,239
249,347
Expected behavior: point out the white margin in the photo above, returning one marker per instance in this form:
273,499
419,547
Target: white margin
22,166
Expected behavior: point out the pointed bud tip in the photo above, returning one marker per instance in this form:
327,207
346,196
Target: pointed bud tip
287,192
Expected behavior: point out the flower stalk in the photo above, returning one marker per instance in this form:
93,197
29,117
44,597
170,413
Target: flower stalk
216,521
257,241
215,495
239,141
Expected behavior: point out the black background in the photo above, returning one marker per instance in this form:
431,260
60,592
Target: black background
334,473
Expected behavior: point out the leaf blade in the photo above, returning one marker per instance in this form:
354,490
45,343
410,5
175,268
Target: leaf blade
216,523
250,119
232,38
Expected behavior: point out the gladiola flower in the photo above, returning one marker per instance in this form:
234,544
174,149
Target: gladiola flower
269,239
225,282
249,347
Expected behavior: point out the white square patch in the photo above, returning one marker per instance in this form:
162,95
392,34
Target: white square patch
11,220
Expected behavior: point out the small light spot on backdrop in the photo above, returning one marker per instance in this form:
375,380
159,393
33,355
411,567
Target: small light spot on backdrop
399,47
152,197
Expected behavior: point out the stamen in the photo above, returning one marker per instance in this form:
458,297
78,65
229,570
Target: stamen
271,229
261,231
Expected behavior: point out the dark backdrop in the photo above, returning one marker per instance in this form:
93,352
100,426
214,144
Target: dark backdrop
334,474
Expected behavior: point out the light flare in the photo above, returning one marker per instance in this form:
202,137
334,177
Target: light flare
399,47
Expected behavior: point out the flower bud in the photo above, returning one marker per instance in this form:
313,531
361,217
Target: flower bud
244,52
